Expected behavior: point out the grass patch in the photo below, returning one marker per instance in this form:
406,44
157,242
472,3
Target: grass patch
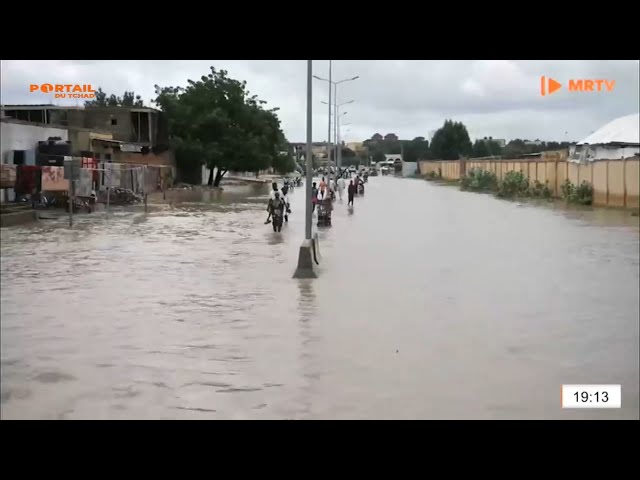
433,175
581,194
513,185
478,180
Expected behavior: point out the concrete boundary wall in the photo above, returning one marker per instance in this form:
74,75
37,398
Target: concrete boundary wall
615,183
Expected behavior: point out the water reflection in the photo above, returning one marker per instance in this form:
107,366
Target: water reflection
307,310
274,238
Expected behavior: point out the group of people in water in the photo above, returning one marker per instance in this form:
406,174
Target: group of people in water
332,187
279,206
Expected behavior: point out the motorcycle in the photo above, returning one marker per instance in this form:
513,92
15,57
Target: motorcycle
78,205
42,201
324,213
360,189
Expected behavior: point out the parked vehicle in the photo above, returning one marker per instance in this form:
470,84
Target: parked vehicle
79,205
120,196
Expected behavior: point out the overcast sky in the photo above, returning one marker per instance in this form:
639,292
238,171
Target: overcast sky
498,98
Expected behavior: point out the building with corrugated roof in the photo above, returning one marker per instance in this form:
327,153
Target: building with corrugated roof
616,140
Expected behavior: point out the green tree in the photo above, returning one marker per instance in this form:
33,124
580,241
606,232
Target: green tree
129,99
416,149
284,163
100,99
216,122
451,142
480,149
493,148
378,156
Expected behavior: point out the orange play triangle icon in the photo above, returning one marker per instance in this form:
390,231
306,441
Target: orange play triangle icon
548,86
553,86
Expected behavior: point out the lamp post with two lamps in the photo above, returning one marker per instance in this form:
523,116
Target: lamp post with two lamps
335,99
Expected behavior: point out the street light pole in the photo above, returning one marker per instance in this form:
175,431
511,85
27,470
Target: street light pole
335,102
338,146
308,250
329,123
309,154
338,141
335,128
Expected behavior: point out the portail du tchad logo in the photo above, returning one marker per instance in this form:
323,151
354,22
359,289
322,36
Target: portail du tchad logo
70,90
549,85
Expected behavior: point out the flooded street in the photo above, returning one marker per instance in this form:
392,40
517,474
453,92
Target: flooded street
431,303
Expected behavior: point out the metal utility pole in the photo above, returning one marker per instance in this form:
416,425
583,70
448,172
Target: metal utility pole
308,254
340,143
329,124
309,154
338,146
337,133
335,104
335,124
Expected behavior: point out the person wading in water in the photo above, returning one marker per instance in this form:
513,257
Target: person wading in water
272,195
351,191
314,196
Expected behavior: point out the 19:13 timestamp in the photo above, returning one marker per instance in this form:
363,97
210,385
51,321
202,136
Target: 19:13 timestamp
591,396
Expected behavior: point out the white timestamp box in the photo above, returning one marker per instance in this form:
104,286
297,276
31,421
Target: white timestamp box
591,396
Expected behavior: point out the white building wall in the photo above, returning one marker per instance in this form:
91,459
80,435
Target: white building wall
18,136
601,152
615,153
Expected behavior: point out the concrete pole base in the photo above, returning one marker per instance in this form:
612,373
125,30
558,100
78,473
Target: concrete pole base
306,261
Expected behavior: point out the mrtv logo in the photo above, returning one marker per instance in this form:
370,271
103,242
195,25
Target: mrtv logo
548,85
64,90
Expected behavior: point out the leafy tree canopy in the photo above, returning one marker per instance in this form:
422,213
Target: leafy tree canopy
215,121
284,163
129,99
451,142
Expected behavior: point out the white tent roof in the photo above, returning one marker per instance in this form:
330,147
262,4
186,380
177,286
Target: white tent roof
621,130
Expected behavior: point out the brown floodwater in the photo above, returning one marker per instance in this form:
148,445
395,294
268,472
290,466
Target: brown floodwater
431,303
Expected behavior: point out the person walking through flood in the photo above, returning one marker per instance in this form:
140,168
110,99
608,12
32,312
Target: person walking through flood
274,190
341,186
314,196
331,187
351,192
285,198
276,209
323,188
272,195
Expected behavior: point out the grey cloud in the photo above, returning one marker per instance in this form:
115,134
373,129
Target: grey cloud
498,98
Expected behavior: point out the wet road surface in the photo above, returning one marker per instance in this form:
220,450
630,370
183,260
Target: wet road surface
431,303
